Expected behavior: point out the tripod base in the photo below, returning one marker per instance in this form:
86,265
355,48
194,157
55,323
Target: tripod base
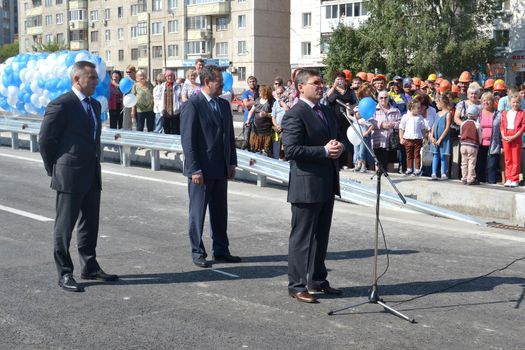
375,299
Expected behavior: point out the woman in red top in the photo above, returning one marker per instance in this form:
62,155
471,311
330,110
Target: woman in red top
512,126
115,101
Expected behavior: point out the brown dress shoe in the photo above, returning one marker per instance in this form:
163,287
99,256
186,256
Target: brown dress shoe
325,290
304,297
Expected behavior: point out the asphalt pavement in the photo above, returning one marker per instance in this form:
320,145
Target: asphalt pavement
163,301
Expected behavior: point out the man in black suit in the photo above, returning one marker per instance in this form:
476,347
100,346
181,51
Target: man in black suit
210,159
70,148
309,140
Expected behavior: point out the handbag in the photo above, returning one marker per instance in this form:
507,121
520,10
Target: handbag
393,140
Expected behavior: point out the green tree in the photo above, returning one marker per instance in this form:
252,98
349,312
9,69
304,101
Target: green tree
49,47
8,50
418,37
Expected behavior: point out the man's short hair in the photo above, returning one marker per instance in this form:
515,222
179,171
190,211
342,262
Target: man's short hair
210,72
199,60
79,68
131,67
279,80
251,77
303,76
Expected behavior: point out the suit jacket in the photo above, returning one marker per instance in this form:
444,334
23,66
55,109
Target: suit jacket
208,140
71,155
519,122
314,177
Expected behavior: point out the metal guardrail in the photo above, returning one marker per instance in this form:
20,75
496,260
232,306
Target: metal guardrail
261,166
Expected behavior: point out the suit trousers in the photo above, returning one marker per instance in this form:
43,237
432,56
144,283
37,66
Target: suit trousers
68,208
212,194
308,243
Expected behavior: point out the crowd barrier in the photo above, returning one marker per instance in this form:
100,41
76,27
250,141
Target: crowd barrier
264,168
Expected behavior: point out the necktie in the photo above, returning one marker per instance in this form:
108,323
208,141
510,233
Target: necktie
89,111
319,112
214,105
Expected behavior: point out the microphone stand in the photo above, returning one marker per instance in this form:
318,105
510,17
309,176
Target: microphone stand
374,297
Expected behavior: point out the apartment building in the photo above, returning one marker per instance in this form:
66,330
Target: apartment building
8,21
247,37
312,21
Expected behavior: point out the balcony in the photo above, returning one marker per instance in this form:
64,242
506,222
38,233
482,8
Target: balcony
78,45
34,11
142,16
142,62
79,25
142,40
328,25
199,34
78,5
34,30
213,9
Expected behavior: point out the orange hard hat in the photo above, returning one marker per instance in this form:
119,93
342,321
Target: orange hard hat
348,75
489,83
379,76
438,81
465,77
362,76
499,85
455,88
370,77
444,85
416,81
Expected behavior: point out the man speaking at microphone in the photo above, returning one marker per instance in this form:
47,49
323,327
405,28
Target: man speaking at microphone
310,144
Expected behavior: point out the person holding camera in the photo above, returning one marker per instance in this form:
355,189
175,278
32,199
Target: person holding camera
279,108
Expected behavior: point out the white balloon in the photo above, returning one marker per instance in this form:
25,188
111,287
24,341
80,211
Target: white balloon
353,137
129,100
103,103
12,100
2,66
22,74
12,91
35,100
31,64
81,56
3,90
34,86
9,60
42,101
15,66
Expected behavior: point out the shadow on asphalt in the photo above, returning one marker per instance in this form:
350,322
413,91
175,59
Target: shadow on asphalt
349,254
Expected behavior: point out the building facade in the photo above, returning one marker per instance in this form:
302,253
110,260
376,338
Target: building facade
247,37
8,21
312,21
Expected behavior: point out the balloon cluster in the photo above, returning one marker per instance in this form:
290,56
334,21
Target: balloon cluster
29,81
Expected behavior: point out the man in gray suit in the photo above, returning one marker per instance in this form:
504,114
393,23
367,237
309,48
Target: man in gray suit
70,147
210,159
309,140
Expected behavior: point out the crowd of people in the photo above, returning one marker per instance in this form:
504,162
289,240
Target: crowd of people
435,127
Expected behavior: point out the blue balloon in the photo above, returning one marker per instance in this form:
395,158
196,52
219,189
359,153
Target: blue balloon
27,97
20,106
70,59
367,107
228,81
125,85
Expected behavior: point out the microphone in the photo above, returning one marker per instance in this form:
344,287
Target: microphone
339,102
349,114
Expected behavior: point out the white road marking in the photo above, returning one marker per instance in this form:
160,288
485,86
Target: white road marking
225,273
25,214
21,158
176,183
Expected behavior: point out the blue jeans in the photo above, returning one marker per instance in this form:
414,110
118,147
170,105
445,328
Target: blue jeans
492,168
361,153
435,162
159,121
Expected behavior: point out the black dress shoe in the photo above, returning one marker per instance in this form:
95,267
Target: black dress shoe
201,262
228,258
325,290
68,283
99,275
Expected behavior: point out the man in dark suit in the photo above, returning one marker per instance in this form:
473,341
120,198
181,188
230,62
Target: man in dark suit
210,159
309,139
70,147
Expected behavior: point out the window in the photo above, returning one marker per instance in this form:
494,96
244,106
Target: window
143,51
222,23
60,18
173,4
241,48
173,50
241,21
120,12
60,38
241,73
221,49
107,34
197,22
357,9
306,48
134,54
48,3
94,53
156,5
93,15
242,1
332,11
49,20
307,19
198,2
142,28
107,14
134,32
120,33
173,26
156,28
156,51
501,37
58,2
121,55
33,21
108,55
134,9
78,35
77,15
49,38
94,36
197,47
